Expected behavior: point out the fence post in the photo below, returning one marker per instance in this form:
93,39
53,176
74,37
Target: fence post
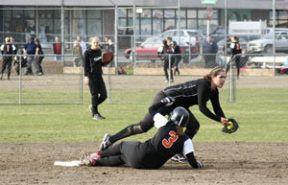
232,84
20,80
169,70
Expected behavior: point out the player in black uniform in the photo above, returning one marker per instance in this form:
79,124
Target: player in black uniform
7,50
153,153
194,92
93,77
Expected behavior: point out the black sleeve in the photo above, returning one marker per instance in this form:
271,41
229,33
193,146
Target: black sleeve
216,105
191,159
203,96
86,64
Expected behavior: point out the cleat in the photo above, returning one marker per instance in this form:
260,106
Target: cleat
98,117
105,142
102,117
90,160
85,160
179,158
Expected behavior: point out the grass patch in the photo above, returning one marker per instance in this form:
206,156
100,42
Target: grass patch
261,113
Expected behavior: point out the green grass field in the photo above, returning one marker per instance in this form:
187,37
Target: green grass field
261,113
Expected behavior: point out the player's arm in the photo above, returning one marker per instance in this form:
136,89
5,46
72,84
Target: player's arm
188,152
216,105
203,96
87,67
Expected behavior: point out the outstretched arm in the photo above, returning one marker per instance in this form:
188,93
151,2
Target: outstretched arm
188,151
203,97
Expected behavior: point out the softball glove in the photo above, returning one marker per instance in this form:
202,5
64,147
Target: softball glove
231,127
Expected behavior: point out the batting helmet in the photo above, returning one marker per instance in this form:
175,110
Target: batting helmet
179,116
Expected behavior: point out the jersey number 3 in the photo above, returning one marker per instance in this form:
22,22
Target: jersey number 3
168,143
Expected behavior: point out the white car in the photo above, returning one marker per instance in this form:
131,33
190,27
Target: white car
265,44
190,37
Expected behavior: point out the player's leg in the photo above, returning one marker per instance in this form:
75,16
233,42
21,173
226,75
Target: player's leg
143,126
110,161
29,65
37,65
237,63
131,154
95,89
126,132
9,67
165,69
119,154
102,90
94,95
138,128
3,67
109,157
102,95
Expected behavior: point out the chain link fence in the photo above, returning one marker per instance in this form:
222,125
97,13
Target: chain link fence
136,32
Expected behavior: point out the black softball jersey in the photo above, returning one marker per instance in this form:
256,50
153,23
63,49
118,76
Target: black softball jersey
93,62
196,92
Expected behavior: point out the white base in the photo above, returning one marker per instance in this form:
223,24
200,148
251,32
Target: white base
68,163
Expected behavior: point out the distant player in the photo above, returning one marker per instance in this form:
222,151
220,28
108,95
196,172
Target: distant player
93,77
7,50
153,153
194,92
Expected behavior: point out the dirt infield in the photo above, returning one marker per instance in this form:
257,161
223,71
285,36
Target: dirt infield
225,163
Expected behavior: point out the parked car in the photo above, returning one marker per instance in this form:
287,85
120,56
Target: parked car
219,34
185,36
186,39
265,44
242,40
146,51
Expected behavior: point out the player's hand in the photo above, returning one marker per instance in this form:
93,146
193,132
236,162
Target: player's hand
167,101
86,80
200,164
224,121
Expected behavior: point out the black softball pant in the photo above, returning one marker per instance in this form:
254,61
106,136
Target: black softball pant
166,69
7,63
147,123
98,91
124,153
237,64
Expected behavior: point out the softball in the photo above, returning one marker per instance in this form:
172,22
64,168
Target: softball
230,125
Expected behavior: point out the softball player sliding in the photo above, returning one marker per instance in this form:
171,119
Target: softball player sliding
153,153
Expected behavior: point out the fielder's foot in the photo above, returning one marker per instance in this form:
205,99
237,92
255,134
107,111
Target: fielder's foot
105,142
98,117
179,158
